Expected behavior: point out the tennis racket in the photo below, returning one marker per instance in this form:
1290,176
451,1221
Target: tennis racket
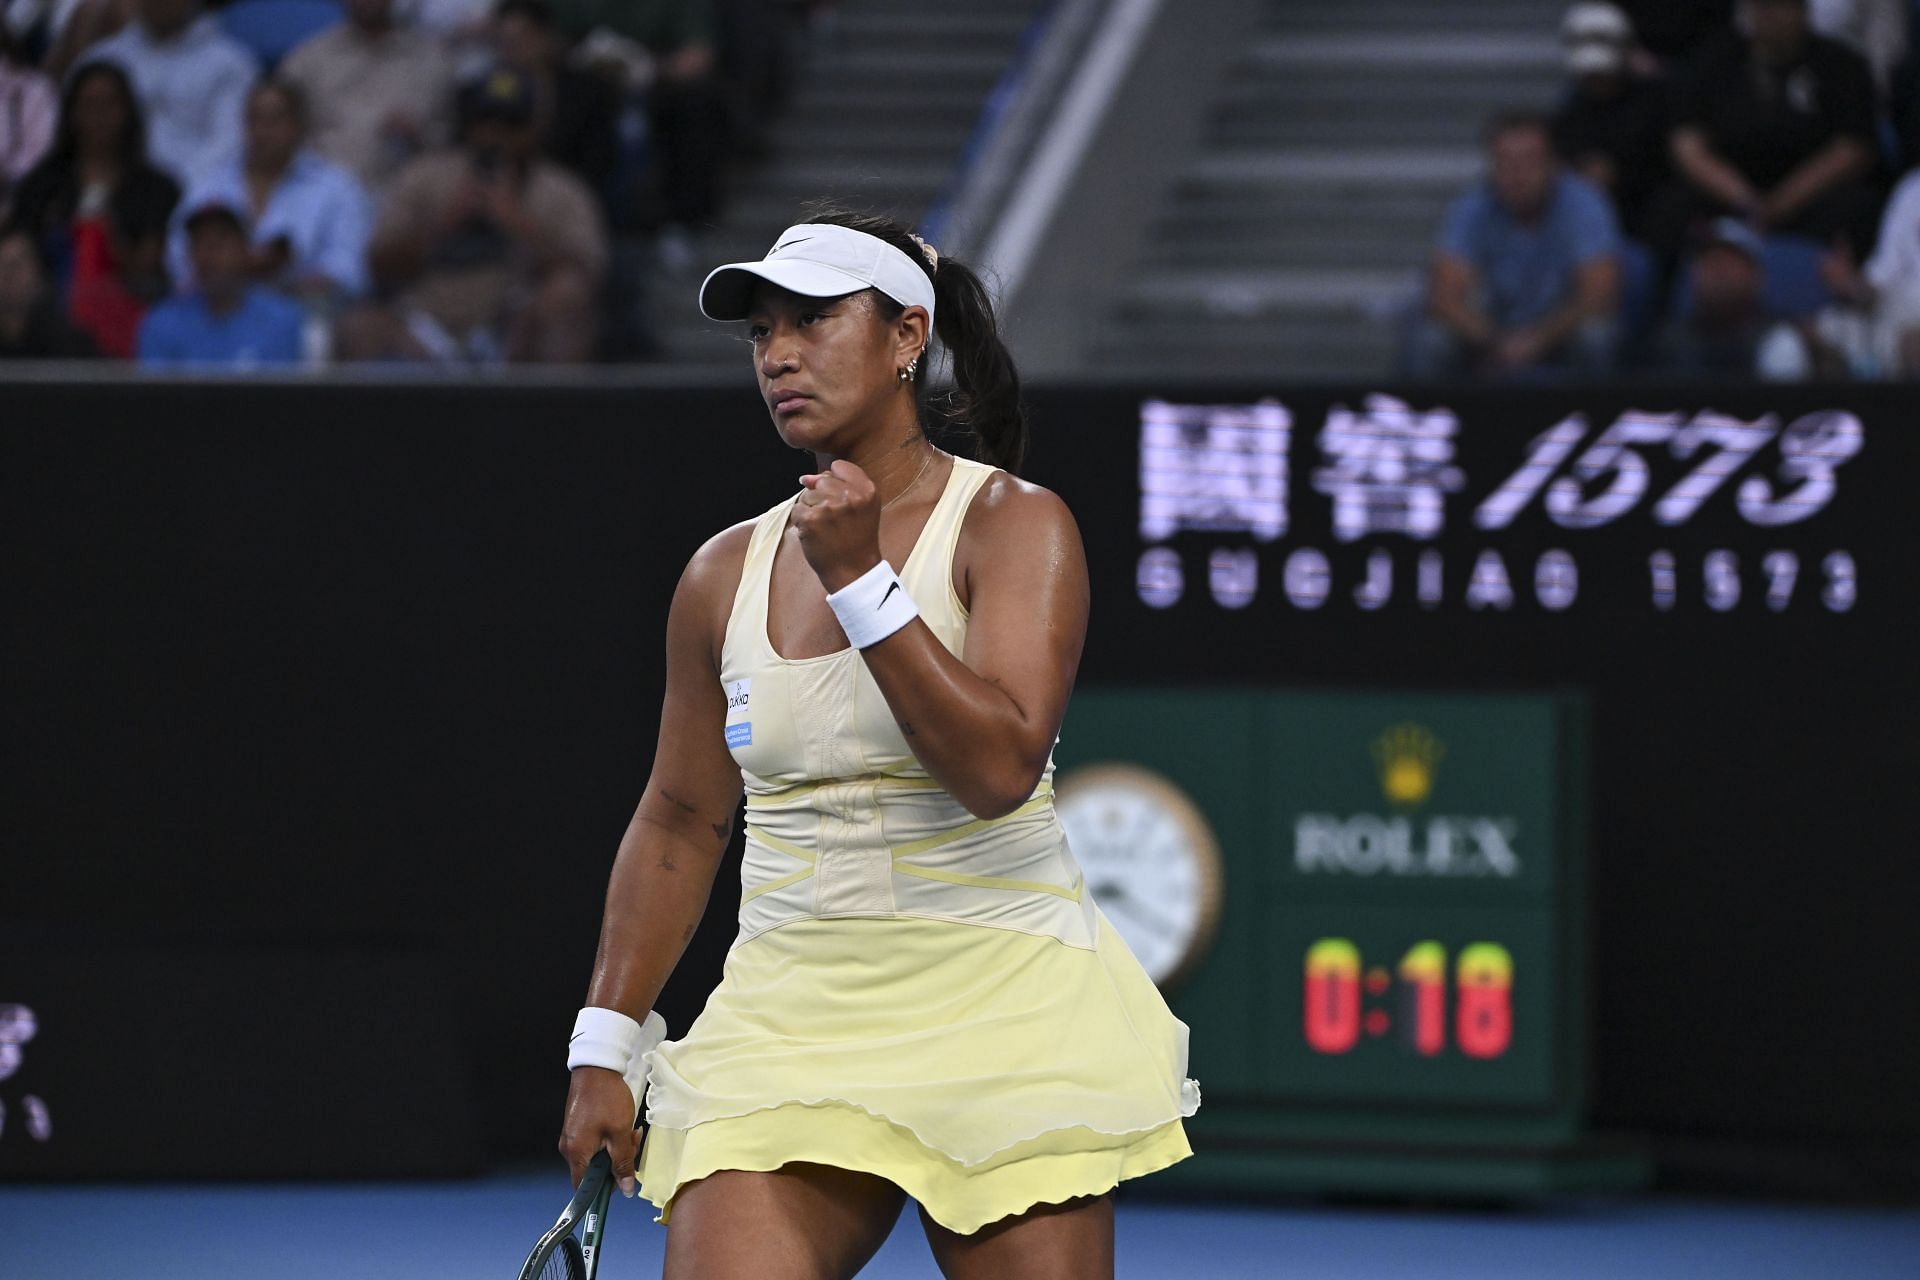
560,1255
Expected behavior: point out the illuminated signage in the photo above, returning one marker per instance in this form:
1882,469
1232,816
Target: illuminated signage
1218,510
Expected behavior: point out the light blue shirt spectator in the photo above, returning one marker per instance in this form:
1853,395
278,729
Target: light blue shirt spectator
1527,268
263,330
318,208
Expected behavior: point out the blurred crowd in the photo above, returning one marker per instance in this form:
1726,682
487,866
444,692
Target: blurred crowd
1719,192
275,182
1727,189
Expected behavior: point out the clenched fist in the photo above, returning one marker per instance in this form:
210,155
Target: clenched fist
838,520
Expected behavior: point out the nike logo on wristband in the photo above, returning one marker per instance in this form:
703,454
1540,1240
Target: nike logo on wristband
893,587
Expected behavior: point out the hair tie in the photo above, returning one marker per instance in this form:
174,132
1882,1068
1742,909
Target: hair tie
927,251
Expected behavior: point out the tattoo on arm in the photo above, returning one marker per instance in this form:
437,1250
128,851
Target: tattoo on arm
906,728
677,802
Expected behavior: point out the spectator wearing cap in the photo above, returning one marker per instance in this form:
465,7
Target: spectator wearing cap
377,93
1725,330
1777,126
31,326
227,320
28,109
579,109
97,211
1526,275
491,251
1612,126
191,79
310,218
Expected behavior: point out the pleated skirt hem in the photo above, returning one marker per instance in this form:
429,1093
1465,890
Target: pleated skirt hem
1054,1167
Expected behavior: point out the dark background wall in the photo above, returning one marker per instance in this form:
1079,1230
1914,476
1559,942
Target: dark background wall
327,705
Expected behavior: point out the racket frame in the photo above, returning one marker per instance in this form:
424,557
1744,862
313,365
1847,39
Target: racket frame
593,1193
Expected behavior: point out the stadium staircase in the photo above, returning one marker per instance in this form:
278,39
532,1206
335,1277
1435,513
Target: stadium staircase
882,117
1288,243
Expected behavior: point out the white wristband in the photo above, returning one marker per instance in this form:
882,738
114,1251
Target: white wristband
873,606
608,1038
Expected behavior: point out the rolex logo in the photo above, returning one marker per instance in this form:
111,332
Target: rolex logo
1406,755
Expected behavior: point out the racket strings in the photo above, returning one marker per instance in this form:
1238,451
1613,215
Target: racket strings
566,1262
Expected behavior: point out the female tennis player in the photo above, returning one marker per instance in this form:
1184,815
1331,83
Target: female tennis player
923,999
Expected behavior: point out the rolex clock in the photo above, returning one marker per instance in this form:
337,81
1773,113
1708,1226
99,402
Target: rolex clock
1150,860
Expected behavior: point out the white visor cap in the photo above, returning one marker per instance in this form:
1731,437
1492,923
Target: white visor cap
819,260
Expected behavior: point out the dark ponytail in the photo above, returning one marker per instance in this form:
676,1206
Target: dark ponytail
983,409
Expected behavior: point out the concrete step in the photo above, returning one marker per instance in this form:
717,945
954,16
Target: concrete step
1361,50
963,30
1240,293
1323,124
1264,354
1294,247
856,106
1410,16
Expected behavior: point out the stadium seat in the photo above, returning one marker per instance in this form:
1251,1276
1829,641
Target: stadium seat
271,28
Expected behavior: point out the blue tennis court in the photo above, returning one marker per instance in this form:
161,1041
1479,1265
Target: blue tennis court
473,1230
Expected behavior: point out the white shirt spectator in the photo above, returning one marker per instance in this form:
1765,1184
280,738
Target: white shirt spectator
193,88
28,109
319,208
51,16
1874,29
463,28
1894,273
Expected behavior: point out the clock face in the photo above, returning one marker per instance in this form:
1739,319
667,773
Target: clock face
1150,860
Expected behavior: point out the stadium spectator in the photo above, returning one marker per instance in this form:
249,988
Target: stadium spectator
31,326
310,219
578,110
98,211
191,79
493,251
1724,330
1672,30
686,107
28,109
378,94
462,28
1612,126
1526,276
1874,29
1777,126
226,320
55,33
1887,291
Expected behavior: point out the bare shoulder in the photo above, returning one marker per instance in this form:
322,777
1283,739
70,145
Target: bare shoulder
704,599
1009,507
714,571
1020,532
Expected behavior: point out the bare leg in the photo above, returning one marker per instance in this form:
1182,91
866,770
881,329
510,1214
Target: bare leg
1071,1241
800,1222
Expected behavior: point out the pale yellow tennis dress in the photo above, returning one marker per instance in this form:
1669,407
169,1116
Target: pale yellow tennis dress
914,992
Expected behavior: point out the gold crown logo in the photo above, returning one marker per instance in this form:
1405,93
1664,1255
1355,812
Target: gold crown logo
1406,755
